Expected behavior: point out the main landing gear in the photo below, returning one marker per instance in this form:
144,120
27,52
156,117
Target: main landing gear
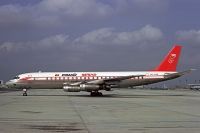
96,93
24,92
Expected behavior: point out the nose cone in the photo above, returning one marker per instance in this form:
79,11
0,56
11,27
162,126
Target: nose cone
10,84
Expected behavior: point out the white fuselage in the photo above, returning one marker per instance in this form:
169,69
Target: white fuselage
50,80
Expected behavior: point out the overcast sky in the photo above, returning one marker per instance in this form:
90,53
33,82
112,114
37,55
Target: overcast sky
96,35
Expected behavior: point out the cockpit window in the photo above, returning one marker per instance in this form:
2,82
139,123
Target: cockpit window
16,77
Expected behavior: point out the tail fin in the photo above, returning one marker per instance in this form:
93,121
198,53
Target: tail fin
170,61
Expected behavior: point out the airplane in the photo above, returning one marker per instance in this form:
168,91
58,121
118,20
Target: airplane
93,82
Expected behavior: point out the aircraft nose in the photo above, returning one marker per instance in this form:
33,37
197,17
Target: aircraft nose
10,84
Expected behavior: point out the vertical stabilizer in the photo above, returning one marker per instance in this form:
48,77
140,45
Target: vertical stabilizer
170,61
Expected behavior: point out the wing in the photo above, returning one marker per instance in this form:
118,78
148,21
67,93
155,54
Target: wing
108,81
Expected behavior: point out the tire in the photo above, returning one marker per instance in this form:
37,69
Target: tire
24,94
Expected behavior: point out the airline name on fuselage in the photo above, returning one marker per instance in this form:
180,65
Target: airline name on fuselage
69,74
75,74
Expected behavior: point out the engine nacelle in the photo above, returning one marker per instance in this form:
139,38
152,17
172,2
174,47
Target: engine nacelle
71,88
81,87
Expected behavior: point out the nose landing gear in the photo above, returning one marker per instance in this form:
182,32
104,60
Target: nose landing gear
24,92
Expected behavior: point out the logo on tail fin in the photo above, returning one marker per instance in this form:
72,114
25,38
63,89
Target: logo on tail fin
172,58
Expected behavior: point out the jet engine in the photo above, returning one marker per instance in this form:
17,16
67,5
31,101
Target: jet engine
81,87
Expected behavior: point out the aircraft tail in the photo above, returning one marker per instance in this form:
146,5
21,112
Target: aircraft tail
170,61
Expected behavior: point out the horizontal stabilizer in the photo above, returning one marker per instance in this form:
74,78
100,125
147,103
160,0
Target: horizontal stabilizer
179,74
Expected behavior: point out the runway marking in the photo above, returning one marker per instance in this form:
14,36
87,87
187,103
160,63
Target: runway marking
59,128
79,115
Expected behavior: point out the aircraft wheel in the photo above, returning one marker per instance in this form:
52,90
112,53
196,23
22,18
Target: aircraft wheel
100,94
92,94
24,94
96,93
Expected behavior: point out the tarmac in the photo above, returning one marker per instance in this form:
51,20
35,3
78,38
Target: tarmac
119,111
